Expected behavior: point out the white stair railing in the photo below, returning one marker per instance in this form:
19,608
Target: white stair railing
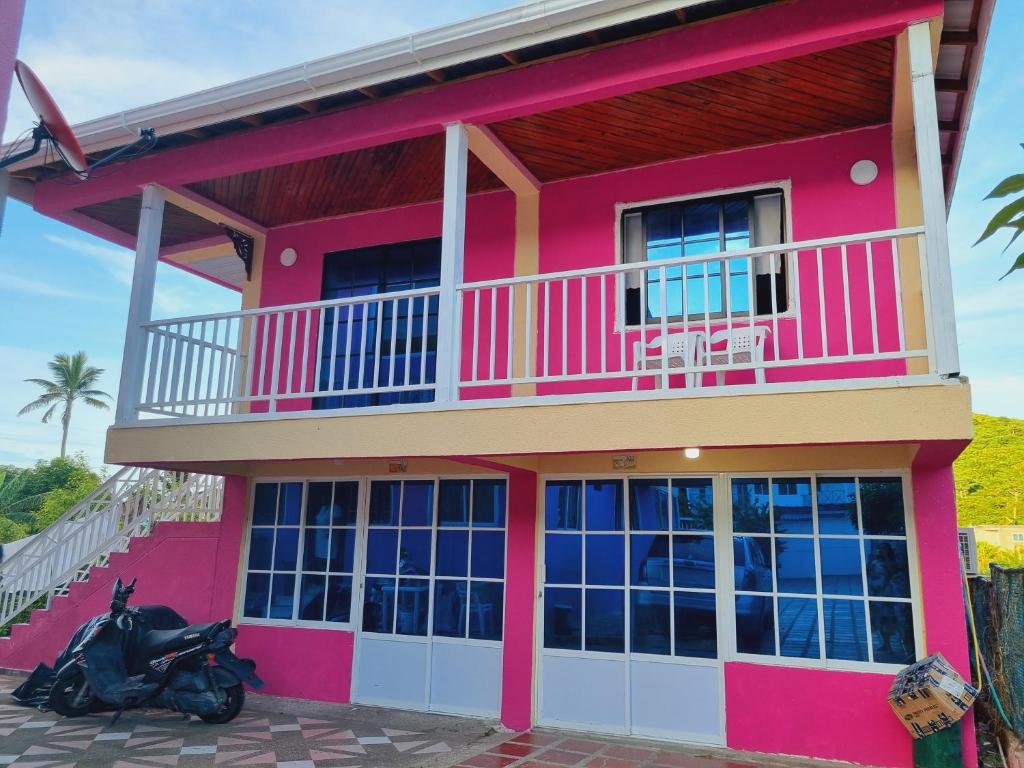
126,505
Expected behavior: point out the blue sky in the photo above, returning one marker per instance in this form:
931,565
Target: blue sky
62,290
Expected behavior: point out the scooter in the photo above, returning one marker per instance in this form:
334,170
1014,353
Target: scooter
150,657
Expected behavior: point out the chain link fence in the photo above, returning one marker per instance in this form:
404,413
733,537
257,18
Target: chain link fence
998,603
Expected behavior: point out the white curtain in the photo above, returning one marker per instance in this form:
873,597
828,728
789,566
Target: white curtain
766,229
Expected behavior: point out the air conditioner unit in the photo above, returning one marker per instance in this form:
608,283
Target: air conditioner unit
968,550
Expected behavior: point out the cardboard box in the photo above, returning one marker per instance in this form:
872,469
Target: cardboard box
929,695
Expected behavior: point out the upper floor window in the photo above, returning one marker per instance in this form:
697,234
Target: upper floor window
693,230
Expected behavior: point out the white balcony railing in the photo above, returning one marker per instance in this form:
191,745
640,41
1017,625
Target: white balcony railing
814,310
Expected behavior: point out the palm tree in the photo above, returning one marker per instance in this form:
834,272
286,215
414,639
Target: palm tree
73,379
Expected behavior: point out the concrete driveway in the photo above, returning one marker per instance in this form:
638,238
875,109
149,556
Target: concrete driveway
288,733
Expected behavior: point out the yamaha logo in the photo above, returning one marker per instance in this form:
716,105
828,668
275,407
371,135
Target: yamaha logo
192,636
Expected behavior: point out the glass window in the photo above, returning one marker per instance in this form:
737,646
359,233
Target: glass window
302,553
689,230
649,566
822,569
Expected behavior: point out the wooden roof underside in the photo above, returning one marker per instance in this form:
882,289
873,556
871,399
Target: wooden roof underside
811,95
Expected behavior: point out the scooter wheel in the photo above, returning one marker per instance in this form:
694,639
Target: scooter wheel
232,706
71,695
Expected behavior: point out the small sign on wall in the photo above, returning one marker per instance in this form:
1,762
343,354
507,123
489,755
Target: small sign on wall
624,461
396,467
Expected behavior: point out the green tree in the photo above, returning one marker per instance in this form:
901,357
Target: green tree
990,473
1010,216
22,500
1004,556
73,379
11,531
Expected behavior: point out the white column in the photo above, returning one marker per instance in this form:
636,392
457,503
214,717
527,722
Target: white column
453,238
939,281
5,188
140,307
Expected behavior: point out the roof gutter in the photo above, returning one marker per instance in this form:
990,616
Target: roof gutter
529,24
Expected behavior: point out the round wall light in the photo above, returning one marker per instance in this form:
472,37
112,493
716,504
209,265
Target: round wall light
863,172
691,453
288,257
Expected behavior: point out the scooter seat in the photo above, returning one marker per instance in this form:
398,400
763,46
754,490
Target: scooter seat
158,642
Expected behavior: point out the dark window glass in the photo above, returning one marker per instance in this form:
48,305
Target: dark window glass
385,497
343,550
452,553
649,624
414,553
257,595
318,504
648,505
841,571
696,632
649,559
794,565
413,601
346,503
453,502
418,503
485,610
753,569
604,505
606,559
488,554
316,549
837,506
289,509
563,558
450,608
798,628
489,503
382,551
606,620
286,551
282,596
881,505
692,505
311,597
562,506
755,625
378,604
791,499
563,618
892,632
261,546
888,570
845,631
693,561
264,510
750,506
351,332
339,598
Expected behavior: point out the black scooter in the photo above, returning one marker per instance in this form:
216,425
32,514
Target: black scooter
145,657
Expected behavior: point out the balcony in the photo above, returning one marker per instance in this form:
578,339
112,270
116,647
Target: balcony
827,314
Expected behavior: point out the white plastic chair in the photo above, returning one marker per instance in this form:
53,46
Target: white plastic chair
747,346
683,350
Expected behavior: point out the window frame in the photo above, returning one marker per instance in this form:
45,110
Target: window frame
678,323
913,571
362,527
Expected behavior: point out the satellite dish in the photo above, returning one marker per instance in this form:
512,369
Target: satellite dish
53,127
49,114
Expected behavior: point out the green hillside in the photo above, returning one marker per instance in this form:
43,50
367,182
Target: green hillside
990,473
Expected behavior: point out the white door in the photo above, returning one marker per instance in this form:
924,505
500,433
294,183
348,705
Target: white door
629,627
432,595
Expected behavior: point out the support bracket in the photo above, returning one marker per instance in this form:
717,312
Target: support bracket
244,248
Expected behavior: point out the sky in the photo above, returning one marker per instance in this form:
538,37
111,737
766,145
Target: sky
62,290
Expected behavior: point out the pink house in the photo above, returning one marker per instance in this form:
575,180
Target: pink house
596,367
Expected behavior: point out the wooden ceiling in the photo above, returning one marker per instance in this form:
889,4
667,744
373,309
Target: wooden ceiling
810,95
384,176
180,226
820,93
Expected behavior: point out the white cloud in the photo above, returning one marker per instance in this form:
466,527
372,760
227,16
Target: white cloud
116,261
19,284
999,395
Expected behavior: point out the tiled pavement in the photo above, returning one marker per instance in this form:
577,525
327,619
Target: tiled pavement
286,733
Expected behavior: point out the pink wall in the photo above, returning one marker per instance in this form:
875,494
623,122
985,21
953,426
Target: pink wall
300,662
844,715
188,551
11,13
